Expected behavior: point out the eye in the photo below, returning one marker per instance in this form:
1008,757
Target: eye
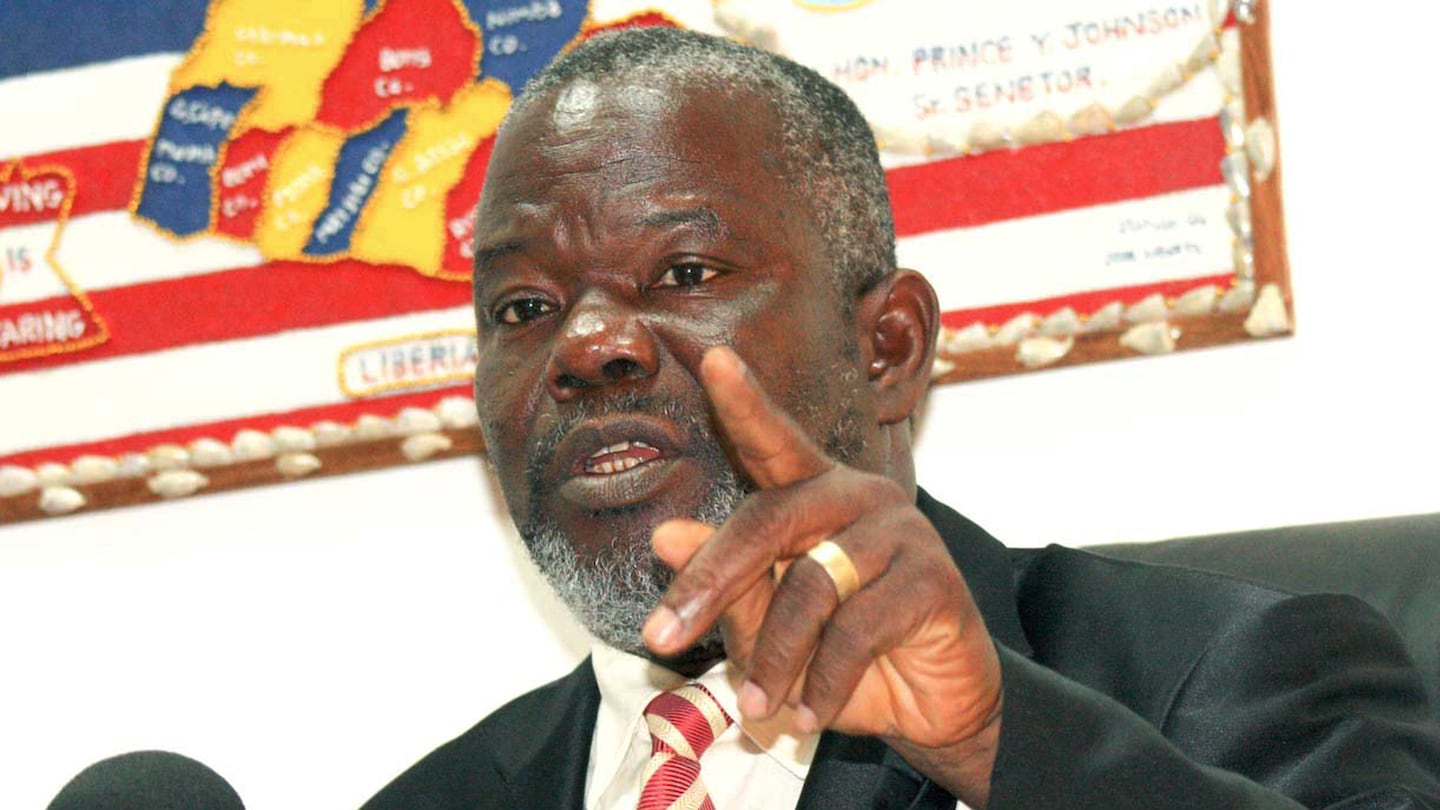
522,311
687,274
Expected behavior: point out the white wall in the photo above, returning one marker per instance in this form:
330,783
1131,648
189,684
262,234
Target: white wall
309,641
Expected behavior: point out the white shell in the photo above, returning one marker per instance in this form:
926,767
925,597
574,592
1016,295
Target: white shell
296,465
940,144
1105,318
329,434
1042,351
1231,71
424,445
169,457
369,427
418,420
1238,297
252,444
1150,308
940,368
209,452
1239,215
1046,127
1150,338
1060,323
1260,146
1169,80
1268,317
1204,53
898,140
15,480
985,136
136,465
1198,301
457,412
1135,110
1235,168
1092,120
291,439
1232,123
177,483
1020,326
1245,11
973,337
60,500
93,469
1244,259
52,473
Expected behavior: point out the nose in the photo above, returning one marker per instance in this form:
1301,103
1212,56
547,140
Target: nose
602,342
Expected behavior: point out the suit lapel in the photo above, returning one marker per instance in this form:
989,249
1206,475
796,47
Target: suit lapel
987,568
547,767
862,772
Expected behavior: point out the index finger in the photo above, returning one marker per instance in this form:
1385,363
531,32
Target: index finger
771,446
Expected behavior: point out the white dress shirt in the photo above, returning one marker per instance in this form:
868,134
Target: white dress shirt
751,766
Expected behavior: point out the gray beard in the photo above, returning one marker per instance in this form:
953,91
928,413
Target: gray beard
613,596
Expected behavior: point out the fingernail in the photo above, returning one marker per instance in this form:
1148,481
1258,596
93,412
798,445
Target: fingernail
805,720
662,627
753,702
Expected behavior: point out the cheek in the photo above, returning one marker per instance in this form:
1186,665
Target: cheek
506,400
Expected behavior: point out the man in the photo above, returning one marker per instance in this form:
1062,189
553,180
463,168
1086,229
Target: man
697,355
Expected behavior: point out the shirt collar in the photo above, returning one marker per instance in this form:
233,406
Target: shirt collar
627,684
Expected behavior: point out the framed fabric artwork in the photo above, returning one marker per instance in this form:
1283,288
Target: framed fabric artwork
235,234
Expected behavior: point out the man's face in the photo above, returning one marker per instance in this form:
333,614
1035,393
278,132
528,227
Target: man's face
622,232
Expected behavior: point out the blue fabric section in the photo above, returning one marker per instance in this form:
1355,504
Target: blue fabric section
42,35
357,173
522,36
177,177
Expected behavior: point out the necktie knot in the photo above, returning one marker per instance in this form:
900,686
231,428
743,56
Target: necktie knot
683,722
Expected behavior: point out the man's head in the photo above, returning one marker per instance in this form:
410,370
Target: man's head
652,194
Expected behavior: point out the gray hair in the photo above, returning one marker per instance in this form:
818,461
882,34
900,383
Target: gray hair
829,152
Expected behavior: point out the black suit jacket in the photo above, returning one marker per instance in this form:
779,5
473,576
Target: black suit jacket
1126,685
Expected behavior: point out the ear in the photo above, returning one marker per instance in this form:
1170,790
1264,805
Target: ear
899,319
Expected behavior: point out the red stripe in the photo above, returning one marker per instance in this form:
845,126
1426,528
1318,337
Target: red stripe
1134,164
105,174
344,413
950,193
254,301
1084,303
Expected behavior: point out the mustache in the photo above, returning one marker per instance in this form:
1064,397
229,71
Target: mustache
692,418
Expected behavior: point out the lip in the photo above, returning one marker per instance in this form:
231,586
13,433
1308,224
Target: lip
618,489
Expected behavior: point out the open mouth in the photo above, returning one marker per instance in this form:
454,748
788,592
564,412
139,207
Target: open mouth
619,457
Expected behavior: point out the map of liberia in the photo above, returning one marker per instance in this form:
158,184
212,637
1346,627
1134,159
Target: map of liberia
324,131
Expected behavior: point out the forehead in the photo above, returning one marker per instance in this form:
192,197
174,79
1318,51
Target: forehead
615,135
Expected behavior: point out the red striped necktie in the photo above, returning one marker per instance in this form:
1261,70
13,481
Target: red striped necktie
683,722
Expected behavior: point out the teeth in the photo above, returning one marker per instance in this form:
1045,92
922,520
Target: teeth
611,466
608,467
618,448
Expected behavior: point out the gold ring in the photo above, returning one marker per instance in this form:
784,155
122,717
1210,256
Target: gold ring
838,566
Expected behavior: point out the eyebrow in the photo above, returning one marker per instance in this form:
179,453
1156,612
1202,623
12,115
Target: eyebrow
485,256
702,218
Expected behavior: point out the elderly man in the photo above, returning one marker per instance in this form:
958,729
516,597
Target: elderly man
697,357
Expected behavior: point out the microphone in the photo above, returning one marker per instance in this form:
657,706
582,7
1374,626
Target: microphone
147,780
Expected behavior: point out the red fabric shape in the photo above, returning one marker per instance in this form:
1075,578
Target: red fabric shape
240,181
679,772
406,53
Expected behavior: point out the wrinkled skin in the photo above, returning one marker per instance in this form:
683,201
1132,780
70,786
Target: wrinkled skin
626,232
